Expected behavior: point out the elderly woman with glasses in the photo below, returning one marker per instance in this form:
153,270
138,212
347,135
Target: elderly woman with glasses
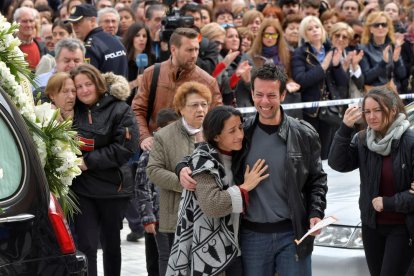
382,63
340,35
171,144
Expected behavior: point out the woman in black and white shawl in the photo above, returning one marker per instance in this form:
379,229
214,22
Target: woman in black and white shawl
206,239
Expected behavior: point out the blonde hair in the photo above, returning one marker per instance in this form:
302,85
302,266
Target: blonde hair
304,24
373,17
250,16
341,26
212,30
187,88
283,50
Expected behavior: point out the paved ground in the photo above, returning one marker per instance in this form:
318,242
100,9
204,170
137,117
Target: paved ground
133,256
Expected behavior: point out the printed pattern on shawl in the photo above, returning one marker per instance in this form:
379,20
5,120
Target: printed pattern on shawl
202,245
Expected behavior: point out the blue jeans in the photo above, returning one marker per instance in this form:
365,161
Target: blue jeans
267,253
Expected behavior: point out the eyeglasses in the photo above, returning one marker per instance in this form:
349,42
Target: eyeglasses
194,106
341,36
269,35
238,16
380,24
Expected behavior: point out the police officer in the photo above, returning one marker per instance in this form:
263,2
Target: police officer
103,51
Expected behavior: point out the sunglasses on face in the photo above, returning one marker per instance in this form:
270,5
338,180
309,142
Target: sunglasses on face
341,36
380,24
268,35
238,16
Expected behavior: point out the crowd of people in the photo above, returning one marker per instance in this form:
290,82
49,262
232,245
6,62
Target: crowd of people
153,89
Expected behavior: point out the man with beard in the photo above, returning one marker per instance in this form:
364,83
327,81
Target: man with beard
289,6
180,68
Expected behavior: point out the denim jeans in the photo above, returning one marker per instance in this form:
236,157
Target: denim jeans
267,253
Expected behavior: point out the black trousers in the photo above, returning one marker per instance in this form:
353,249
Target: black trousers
387,249
164,244
104,217
326,133
151,254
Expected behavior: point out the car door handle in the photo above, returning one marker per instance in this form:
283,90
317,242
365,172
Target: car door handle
17,218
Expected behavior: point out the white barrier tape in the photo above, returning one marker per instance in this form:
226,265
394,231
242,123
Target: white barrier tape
252,109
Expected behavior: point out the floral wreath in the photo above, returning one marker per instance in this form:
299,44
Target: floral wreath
57,147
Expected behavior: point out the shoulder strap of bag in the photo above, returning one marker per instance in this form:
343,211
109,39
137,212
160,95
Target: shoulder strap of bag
153,90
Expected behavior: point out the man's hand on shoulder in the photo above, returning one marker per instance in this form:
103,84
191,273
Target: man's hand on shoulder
146,144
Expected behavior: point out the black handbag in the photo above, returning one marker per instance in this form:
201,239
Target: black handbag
331,115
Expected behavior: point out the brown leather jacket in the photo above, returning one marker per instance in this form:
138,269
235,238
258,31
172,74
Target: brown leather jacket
167,84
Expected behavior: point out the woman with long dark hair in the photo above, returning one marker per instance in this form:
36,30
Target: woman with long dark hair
137,40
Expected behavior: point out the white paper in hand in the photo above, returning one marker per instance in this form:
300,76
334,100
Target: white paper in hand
323,223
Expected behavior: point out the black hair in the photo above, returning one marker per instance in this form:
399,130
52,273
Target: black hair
165,116
190,7
128,41
270,71
213,123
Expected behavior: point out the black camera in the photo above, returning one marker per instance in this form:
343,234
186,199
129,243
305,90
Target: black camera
172,21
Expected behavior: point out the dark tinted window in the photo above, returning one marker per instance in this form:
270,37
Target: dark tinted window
10,161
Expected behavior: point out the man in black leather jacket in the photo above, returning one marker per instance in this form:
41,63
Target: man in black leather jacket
293,199
283,207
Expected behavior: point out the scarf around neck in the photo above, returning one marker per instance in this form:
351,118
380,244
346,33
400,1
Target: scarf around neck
271,52
382,145
191,130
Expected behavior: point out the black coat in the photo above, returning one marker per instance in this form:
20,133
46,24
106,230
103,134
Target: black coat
376,71
110,134
349,153
307,185
307,71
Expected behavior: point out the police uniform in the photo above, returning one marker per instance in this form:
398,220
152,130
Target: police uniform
106,53
103,51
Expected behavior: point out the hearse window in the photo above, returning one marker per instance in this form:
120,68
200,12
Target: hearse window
10,162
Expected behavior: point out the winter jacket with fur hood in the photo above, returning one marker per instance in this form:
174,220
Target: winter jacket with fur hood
110,135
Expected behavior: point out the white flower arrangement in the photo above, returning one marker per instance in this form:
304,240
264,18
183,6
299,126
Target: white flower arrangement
55,140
